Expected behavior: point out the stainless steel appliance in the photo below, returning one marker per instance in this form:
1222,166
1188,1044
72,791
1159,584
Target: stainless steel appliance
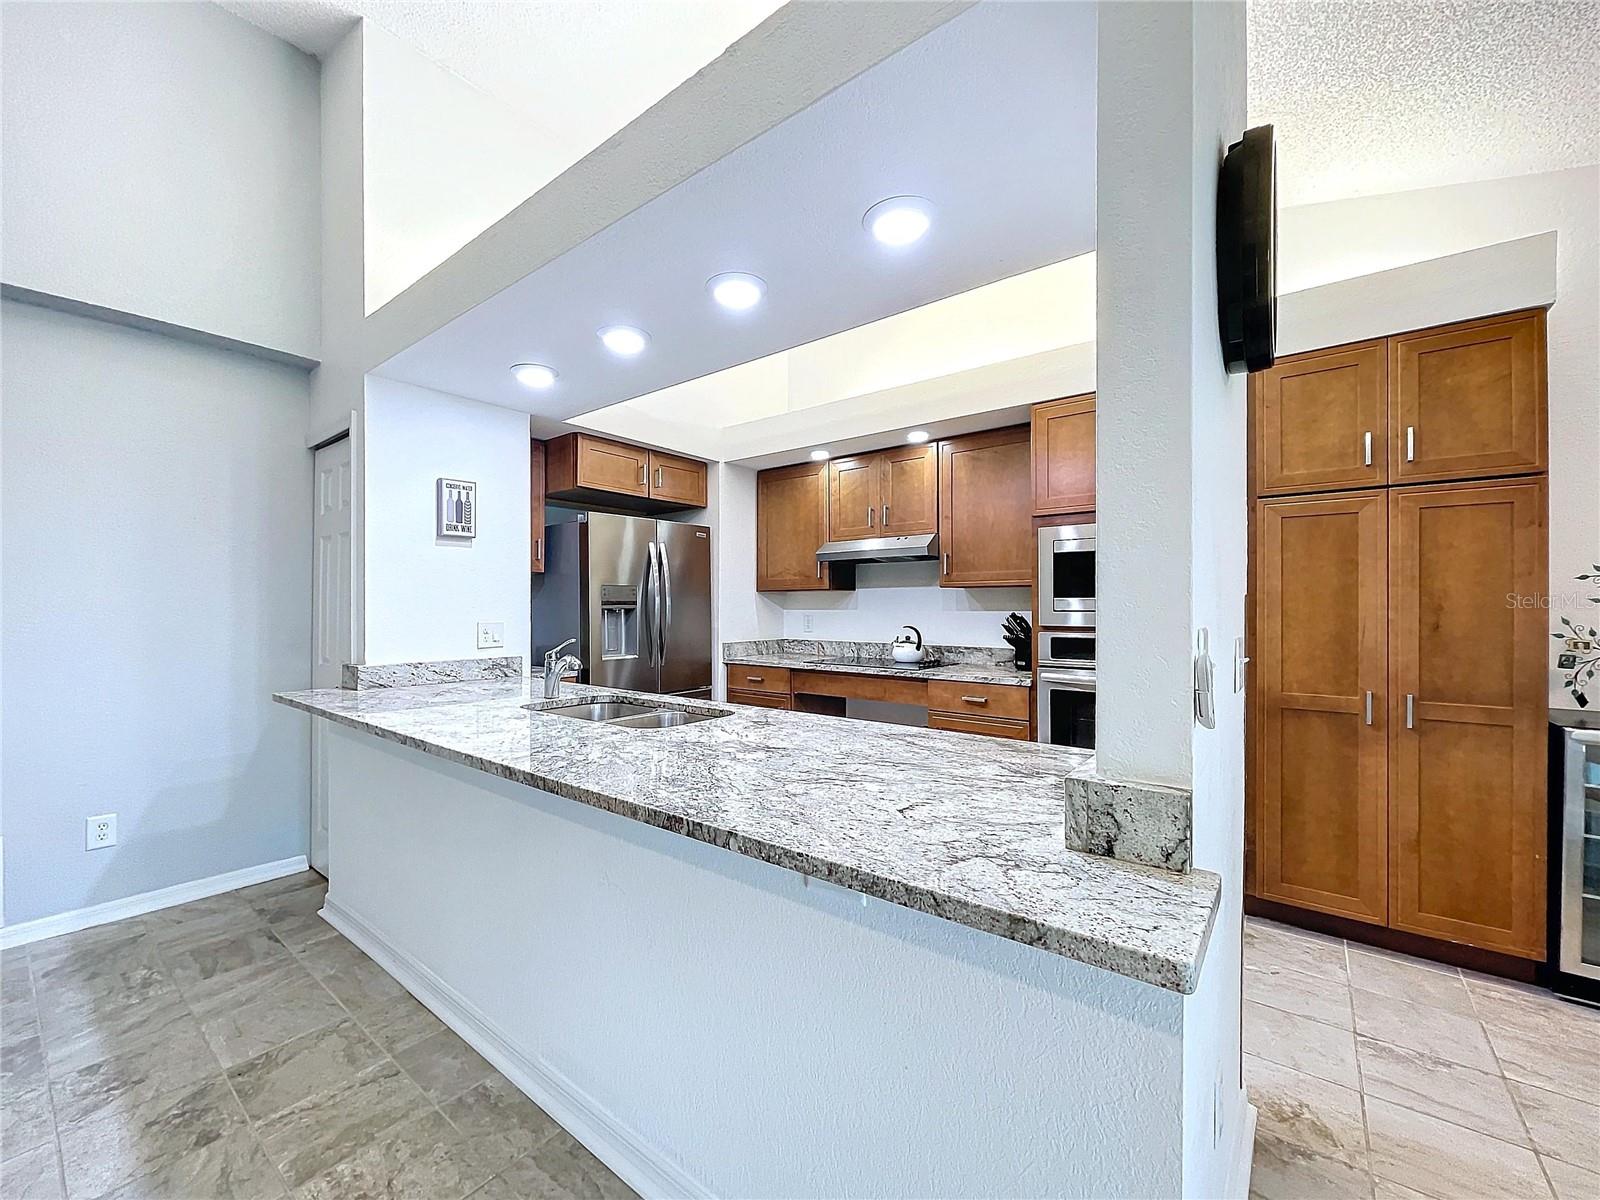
636,594
1064,580
1575,899
907,548
1066,694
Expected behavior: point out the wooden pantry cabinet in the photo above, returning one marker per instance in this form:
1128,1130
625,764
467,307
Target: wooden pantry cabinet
888,493
1322,420
536,539
1062,440
581,468
985,498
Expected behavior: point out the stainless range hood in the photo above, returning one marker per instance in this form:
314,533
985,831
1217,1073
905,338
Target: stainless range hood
912,548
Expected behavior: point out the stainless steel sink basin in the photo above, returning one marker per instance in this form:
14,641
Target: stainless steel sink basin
664,718
601,710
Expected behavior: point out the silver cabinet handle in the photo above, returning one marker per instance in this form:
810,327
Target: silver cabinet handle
975,699
754,678
1369,708
1411,443
870,514
1366,447
641,474
1411,711
885,516
819,568
947,562
658,476
538,548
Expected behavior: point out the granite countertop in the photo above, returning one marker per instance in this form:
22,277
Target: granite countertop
954,672
965,827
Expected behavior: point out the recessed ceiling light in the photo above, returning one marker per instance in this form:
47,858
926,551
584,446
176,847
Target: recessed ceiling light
899,220
737,290
819,456
917,436
624,340
534,375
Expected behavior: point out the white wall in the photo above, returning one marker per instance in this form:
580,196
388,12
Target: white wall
155,564
424,593
162,160
1323,242
889,595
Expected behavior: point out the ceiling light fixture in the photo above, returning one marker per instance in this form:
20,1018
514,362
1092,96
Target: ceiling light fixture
534,375
899,220
917,436
624,340
737,291
819,456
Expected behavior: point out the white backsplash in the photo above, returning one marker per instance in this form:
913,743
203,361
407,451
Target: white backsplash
889,595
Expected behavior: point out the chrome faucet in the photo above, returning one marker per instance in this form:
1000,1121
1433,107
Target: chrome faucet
557,664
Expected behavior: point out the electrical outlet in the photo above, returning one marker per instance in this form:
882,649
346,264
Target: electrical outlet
100,832
491,635
807,623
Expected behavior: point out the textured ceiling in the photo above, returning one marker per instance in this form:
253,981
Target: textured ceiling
1383,97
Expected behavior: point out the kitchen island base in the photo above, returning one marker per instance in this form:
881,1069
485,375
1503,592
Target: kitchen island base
712,1025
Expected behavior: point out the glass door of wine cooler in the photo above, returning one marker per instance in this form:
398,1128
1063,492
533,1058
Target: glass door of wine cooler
1580,858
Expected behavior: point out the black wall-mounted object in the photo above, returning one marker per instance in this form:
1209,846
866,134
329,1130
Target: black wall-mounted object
1247,252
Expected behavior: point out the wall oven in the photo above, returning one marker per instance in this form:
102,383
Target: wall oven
1065,574
1066,693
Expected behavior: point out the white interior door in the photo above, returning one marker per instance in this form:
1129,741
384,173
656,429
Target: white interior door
330,615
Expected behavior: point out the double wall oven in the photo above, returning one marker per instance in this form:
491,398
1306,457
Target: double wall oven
1064,585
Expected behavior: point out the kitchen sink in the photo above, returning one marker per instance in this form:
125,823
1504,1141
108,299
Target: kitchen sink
665,718
591,710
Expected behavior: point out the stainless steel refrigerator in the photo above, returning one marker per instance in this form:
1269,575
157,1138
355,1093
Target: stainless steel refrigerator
636,594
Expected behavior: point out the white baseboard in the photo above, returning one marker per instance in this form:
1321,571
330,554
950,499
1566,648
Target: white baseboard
1244,1153
640,1165
24,932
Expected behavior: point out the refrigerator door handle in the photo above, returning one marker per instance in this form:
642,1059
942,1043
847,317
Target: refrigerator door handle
655,601
664,621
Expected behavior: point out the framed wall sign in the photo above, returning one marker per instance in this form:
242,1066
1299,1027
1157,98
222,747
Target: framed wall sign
456,507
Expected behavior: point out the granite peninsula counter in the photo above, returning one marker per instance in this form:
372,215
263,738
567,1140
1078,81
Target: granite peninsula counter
966,828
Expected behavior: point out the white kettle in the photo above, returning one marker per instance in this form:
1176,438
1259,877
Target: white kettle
908,648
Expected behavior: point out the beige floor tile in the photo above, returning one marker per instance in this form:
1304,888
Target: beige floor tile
101,978
1281,1171
1321,999
22,1066
1561,1126
28,1121
1268,944
313,1064
108,1151
1407,979
321,1131
1548,1058
499,1122
1307,1112
443,1065
1301,1043
1447,1035
203,918
421,1157
35,1175
1570,1182
1388,1189
261,892
1448,1161
234,1167
211,962
1522,1006
134,1074
77,1036
293,1003
360,984
1447,1090
562,1169
98,937
284,905
399,1023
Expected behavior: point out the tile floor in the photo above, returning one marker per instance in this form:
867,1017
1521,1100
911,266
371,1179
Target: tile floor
239,1047
1385,1077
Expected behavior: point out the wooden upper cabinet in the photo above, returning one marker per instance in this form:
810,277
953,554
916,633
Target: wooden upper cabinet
985,501
536,539
791,525
852,497
578,463
677,480
1469,400
1321,683
1063,456
1467,752
908,490
1321,420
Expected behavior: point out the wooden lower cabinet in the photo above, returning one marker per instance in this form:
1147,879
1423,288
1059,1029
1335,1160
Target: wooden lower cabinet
993,710
761,699
985,502
960,723
1322,835
1467,756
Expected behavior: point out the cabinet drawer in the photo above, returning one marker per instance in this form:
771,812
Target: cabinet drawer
1016,730
995,701
758,679
760,699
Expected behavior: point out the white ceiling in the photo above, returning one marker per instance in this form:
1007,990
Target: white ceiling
1385,97
958,116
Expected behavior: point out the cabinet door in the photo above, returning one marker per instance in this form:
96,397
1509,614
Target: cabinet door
1321,682
536,508
612,467
1467,712
1321,420
853,498
1063,456
908,490
1469,400
985,502
791,525
679,480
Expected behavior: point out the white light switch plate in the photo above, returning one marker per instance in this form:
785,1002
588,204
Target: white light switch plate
491,635
807,623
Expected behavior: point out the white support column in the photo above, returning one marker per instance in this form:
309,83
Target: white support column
1171,505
